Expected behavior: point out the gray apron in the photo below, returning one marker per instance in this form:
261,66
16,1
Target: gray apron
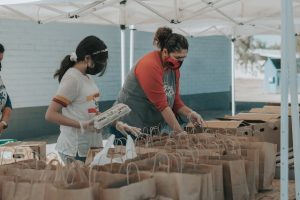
3,96
144,114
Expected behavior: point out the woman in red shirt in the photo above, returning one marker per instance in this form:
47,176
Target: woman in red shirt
151,89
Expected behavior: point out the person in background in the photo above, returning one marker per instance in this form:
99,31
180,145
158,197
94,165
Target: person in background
151,88
5,102
77,100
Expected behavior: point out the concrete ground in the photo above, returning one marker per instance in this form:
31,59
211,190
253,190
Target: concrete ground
251,90
275,193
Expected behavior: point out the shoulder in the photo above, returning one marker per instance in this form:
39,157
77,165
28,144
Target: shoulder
150,62
151,57
71,74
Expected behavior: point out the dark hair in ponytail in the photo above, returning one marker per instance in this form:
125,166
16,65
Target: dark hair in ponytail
165,38
65,64
90,45
2,48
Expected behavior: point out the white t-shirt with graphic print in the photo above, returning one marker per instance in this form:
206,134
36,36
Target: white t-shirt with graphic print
80,96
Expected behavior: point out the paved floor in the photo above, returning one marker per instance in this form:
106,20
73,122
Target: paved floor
275,193
251,90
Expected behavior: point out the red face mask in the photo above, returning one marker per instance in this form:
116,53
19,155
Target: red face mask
172,63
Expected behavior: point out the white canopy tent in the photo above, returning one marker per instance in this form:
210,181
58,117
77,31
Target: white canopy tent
232,18
190,17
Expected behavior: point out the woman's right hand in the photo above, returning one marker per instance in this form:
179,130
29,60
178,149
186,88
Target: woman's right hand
125,128
88,126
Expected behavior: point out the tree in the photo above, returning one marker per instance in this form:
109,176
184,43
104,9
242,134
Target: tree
246,58
243,47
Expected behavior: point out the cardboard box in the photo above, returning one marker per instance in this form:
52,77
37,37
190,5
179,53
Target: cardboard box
269,110
276,110
235,127
253,117
20,151
266,126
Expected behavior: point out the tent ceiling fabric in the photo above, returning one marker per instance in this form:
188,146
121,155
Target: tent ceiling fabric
189,17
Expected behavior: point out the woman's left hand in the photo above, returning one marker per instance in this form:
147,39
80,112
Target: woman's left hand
195,118
88,126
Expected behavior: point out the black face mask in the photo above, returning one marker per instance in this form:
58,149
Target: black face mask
99,67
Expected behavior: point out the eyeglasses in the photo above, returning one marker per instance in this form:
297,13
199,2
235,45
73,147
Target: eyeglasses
179,58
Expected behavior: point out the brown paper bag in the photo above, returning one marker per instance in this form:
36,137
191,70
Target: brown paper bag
24,191
249,167
267,162
139,186
234,176
107,179
161,198
188,185
4,179
32,175
217,176
176,183
73,192
253,156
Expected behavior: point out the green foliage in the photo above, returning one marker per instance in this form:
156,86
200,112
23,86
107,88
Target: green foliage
243,47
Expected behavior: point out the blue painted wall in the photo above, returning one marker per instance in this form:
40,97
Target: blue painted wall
271,79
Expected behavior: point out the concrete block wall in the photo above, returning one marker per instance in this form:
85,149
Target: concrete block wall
33,53
207,67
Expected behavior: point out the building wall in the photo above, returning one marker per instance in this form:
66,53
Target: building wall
33,53
271,78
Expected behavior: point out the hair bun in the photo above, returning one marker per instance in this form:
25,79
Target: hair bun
161,35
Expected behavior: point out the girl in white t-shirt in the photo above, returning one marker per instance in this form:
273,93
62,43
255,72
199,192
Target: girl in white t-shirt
77,100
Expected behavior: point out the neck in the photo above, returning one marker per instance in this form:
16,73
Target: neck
81,67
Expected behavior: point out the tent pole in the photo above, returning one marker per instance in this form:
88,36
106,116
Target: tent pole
232,78
293,75
284,103
122,20
131,58
122,54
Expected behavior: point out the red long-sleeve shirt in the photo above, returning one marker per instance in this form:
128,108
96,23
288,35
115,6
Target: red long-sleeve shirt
149,73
